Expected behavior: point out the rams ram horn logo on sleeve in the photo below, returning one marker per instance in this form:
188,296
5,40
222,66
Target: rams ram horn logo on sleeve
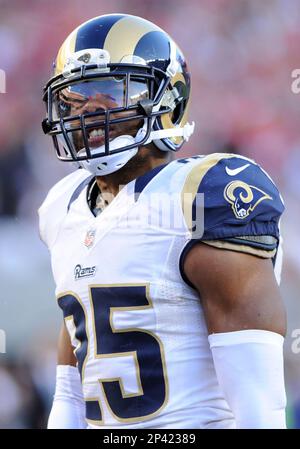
244,198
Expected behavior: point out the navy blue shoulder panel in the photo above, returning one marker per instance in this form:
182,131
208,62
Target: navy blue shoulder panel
241,205
142,181
239,200
78,190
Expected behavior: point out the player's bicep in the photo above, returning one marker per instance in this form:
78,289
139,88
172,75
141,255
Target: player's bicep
238,291
65,355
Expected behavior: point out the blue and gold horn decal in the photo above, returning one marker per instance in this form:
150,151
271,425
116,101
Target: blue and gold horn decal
243,198
143,39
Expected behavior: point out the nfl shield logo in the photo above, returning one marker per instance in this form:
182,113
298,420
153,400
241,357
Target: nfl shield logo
89,238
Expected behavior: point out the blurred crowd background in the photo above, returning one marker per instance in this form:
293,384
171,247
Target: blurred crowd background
241,54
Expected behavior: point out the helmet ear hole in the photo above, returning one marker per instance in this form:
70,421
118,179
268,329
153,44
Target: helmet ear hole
178,112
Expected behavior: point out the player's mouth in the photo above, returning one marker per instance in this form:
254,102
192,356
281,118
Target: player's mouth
96,137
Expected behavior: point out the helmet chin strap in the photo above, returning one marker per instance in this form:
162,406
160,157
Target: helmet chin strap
104,165
185,131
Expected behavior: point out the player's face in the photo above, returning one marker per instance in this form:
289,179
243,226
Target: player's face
99,96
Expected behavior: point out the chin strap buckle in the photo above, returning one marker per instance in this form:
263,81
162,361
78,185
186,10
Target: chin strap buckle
171,99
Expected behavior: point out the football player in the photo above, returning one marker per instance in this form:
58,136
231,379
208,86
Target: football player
165,269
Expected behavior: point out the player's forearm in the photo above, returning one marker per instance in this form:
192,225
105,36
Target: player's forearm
249,367
68,409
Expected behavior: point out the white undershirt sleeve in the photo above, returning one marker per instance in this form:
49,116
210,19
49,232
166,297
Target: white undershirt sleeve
68,408
249,367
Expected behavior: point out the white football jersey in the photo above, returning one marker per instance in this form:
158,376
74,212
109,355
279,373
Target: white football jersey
138,328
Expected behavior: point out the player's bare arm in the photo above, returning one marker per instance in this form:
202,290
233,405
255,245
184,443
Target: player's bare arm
238,291
65,351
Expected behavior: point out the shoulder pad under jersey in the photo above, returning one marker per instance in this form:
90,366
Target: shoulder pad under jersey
55,206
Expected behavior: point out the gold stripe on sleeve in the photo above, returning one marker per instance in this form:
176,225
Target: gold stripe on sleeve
193,181
241,248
